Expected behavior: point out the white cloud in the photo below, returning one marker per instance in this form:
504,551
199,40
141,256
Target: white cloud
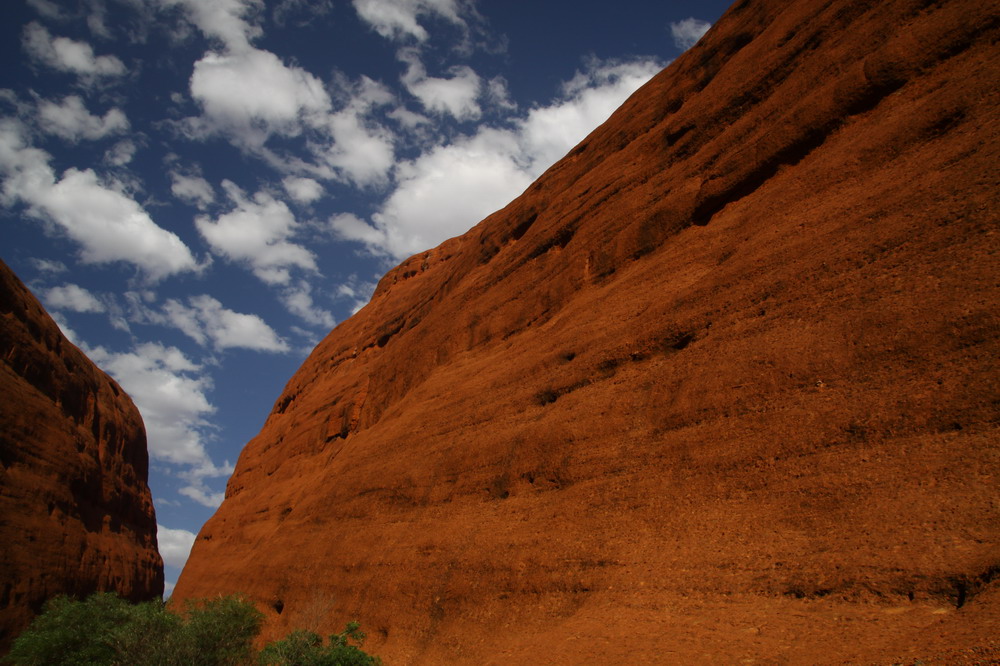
107,223
450,187
298,300
175,545
498,94
687,32
363,154
121,153
67,55
46,8
256,232
170,392
64,326
407,118
447,190
111,226
251,94
72,121
302,190
171,398
588,99
357,291
348,226
49,266
72,297
97,20
360,149
199,491
207,320
397,19
455,96
192,189
225,20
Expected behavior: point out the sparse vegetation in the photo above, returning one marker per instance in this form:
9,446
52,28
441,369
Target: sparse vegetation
107,630
305,648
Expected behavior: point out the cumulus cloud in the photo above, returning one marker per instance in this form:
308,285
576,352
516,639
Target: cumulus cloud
452,186
108,224
358,292
205,320
175,545
408,119
455,96
72,297
170,392
302,190
687,32
192,189
233,22
49,266
71,120
444,192
121,153
587,100
46,8
250,94
67,55
199,491
256,232
254,99
348,226
497,93
358,149
298,300
397,19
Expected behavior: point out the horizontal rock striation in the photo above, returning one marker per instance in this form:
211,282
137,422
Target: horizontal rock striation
76,515
721,385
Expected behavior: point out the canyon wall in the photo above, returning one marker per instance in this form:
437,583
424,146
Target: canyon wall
720,386
76,515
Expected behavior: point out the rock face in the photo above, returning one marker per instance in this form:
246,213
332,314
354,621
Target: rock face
76,515
721,385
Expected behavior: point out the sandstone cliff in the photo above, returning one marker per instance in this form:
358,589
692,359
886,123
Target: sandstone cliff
721,385
76,515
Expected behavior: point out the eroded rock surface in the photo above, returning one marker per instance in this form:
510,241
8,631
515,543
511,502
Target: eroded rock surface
76,515
721,385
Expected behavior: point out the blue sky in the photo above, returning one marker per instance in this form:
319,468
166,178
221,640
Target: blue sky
199,190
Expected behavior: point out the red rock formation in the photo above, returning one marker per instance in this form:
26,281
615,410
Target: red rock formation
721,385
76,515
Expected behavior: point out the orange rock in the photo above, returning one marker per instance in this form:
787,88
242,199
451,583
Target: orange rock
76,515
721,385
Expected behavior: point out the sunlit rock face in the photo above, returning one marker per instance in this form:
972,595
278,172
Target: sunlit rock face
721,385
76,515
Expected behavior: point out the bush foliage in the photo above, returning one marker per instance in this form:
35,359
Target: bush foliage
104,630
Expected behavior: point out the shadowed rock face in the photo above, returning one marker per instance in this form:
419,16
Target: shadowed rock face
76,515
721,385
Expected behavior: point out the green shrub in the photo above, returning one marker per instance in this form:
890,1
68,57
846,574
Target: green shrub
305,648
73,633
104,630
218,632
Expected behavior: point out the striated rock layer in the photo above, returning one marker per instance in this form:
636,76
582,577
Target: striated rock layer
76,515
721,385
